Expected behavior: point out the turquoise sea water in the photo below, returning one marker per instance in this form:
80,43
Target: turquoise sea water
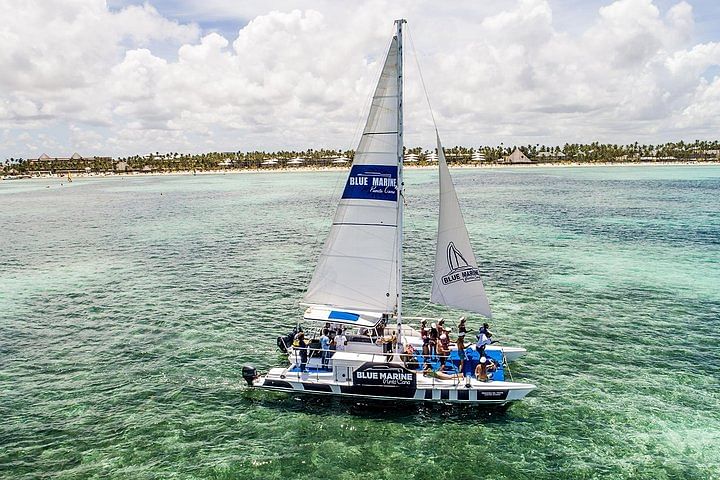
129,305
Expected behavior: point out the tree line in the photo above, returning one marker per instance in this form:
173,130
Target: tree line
699,150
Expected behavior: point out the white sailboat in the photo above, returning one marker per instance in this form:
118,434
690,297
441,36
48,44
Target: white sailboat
357,286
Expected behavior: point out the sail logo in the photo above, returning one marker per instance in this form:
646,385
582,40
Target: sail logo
372,182
460,269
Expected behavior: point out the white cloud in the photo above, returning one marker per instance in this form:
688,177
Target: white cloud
298,78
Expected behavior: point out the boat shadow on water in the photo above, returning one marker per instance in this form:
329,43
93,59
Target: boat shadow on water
400,412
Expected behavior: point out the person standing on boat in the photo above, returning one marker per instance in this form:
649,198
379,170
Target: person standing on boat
485,329
460,342
483,341
325,347
301,349
462,328
426,342
340,341
434,338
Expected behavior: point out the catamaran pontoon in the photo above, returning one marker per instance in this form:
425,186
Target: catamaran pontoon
357,284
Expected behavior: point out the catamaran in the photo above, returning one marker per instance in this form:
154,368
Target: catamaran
357,289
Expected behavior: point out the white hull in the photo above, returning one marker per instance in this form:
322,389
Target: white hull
426,389
511,353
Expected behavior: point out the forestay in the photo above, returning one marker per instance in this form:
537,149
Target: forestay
456,280
357,268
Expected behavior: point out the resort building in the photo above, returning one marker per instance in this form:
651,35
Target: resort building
477,157
76,163
75,158
516,157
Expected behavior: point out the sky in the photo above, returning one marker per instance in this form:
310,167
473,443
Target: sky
122,77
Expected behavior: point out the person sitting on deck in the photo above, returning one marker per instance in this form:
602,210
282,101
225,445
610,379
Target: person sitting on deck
388,342
409,358
485,367
325,347
429,372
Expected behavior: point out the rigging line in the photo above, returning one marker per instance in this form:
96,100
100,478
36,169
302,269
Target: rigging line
423,309
422,79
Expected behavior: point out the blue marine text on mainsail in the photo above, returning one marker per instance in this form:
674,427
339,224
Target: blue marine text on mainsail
372,182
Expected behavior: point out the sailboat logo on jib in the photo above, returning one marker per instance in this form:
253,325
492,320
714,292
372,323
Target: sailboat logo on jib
460,269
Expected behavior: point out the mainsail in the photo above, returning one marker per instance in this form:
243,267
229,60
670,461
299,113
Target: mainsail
358,266
456,281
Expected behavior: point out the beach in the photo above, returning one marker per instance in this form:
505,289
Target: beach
406,166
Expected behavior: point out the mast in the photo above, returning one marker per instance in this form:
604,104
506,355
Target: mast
399,24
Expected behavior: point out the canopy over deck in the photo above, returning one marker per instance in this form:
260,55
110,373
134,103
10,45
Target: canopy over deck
317,313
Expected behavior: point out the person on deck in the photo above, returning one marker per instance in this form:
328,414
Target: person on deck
460,342
426,342
444,351
429,372
441,325
443,346
340,341
301,349
485,329
462,328
483,341
409,357
325,347
485,367
434,338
